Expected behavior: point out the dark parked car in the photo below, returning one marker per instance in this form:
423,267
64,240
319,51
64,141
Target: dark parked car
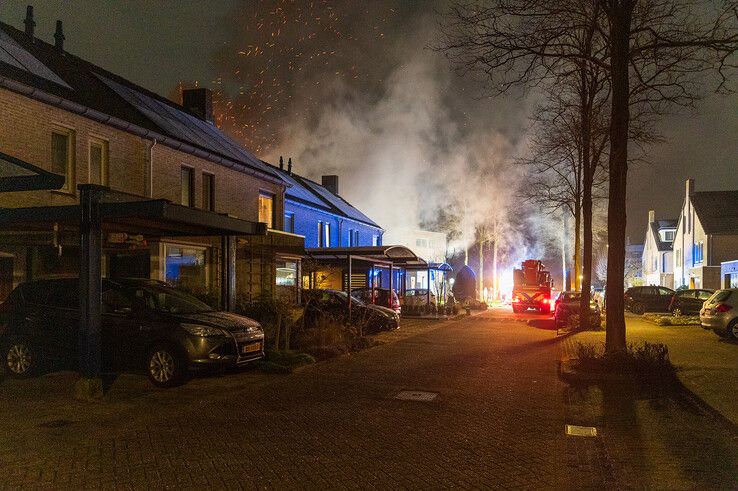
568,304
640,299
688,301
145,324
333,305
378,296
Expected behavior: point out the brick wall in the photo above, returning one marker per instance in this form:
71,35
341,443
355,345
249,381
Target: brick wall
25,132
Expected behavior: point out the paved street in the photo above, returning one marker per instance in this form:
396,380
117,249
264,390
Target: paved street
497,421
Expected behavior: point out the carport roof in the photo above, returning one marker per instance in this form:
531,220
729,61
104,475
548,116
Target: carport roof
153,218
396,254
17,175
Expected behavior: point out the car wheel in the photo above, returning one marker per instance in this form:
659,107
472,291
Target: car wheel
545,310
637,308
516,309
676,312
165,366
732,330
21,358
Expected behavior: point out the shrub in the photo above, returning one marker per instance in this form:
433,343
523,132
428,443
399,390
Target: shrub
649,359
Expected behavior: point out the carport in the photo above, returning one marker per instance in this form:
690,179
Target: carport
374,258
104,211
432,269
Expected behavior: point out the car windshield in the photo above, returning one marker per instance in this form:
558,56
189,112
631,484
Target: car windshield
344,296
170,300
566,297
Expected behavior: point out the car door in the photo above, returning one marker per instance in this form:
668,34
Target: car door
60,316
119,328
663,299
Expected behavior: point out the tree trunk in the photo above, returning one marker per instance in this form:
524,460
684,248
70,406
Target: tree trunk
587,179
577,244
481,269
620,16
495,279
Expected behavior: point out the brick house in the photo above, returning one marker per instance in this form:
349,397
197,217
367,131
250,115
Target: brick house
706,236
78,120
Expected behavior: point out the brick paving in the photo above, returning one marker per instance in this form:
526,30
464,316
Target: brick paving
497,422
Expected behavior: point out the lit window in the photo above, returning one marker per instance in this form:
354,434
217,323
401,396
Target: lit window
188,186
208,192
99,162
266,209
186,268
61,157
326,234
286,273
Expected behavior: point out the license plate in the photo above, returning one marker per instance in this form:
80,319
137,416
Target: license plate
250,348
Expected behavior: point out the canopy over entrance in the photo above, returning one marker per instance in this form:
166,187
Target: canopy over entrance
396,255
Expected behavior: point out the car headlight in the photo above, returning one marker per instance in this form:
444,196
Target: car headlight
203,331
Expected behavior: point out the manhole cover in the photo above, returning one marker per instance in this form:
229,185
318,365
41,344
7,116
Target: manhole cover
574,430
55,423
416,395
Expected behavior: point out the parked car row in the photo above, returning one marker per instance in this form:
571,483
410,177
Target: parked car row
146,325
640,299
150,326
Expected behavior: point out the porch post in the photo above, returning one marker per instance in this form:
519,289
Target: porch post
228,273
428,292
391,274
348,283
90,291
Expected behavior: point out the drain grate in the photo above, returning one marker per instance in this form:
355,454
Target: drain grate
573,430
416,395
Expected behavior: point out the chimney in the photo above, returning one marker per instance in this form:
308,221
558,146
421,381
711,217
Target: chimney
199,101
651,216
330,183
29,22
59,36
690,187
281,163
289,166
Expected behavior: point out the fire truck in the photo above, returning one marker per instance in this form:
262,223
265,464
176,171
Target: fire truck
531,287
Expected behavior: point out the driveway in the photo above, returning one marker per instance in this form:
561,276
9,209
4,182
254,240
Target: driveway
490,412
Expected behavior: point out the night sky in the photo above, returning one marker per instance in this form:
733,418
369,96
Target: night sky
276,67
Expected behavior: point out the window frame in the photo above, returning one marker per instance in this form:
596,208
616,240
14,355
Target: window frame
208,199
104,160
191,197
271,196
69,171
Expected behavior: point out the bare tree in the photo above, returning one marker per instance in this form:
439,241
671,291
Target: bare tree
655,53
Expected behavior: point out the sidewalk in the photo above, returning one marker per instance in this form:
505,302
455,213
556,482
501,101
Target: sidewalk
706,364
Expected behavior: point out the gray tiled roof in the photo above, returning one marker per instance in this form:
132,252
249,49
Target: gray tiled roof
717,211
306,191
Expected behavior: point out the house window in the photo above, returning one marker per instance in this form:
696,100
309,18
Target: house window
186,268
286,273
99,162
356,237
669,236
699,252
61,157
208,192
353,238
289,222
266,209
375,240
188,186
663,263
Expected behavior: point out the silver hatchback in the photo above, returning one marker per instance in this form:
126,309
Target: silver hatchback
720,313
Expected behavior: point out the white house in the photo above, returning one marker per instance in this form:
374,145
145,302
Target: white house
658,263
706,236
